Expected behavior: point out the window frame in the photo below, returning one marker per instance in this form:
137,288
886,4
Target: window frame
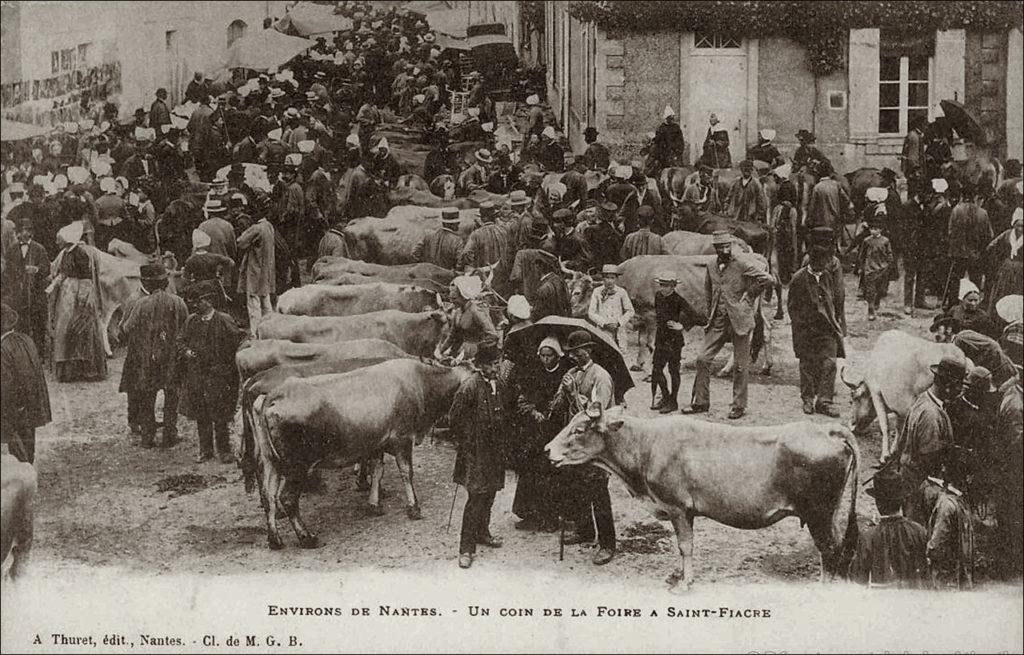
904,107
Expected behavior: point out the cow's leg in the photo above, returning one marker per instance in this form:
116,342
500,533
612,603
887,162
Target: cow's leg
273,535
375,466
104,329
683,579
821,527
22,545
268,477
403,458
883,417
290,492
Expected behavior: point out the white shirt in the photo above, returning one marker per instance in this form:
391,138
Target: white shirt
617,307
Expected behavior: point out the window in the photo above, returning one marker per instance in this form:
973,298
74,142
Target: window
903,80
714,41
836,100
236,30
83,55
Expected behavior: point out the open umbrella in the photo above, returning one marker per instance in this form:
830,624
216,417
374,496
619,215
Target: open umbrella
965,125
15,131
521,342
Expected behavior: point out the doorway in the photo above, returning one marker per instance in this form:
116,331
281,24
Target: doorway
718,84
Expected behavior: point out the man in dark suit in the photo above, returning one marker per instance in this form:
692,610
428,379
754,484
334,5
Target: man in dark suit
25,401
733,284
29,267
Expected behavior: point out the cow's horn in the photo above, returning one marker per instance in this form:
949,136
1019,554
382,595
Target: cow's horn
842,376
594,409
565,269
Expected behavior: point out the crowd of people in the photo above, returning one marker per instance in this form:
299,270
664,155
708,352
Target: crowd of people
186,185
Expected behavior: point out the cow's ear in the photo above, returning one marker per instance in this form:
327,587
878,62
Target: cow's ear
613,425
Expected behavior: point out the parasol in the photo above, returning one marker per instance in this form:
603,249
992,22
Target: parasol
522,341
16,131
963,122
264,50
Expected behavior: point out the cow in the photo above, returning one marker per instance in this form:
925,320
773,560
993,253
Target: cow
343,279
416,334
897,371
19,483
349,416
743,477
117,280
352,299
414,196
392,239
327,268
262,354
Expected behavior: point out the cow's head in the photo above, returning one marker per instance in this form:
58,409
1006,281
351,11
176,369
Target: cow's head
863,408
581,287
583,440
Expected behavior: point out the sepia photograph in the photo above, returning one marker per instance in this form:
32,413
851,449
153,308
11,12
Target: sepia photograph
502,326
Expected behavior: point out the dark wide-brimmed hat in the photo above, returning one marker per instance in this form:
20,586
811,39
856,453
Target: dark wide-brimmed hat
979,378
822,236
887,485
152,272
590,131
204,289
580,339
949,369
487,353
805,135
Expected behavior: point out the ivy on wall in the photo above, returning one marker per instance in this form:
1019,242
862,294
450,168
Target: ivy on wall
820,27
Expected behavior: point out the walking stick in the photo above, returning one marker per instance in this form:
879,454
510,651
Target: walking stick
452,510
561,539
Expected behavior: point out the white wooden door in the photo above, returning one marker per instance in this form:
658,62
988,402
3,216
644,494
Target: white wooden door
718,84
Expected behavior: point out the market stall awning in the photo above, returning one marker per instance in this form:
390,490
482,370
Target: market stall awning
263,50
442,18
307,19
15,131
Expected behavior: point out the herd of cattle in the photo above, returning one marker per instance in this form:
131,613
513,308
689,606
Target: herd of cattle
346,371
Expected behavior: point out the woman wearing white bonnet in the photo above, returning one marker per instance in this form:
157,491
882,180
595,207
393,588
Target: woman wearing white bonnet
471,324
538,497
1004,257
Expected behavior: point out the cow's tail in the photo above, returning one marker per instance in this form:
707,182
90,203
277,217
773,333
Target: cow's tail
848,545
247,455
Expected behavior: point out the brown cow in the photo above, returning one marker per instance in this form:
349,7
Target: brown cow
416,334
352,299
392,239
343,279
743,477
18,480
261,354
327,268
350,416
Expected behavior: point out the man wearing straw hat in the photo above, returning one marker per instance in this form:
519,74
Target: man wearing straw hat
25,401
152,326
610,307
733,284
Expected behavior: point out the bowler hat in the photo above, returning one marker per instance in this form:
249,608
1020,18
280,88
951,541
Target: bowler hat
203,289
580,339
562,216
979,378
590,131
822,235
945,320
887,485
949,369
487,353
804,135
152,272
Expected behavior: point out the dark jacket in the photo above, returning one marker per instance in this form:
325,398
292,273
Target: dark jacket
969,231
25,401
551,298
480,420
817,310
152,326
211,373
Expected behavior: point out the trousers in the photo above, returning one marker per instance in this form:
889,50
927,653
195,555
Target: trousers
914,283
146,413
596,511
718,333
22,445
476,520
666,356
818,377
258,307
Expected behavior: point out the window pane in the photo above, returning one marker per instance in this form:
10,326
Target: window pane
918,68
918,96
890,68
730,43
888,95
889,121
914,114
703,40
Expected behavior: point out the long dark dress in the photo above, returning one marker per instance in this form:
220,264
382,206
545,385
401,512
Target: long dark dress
78,352
537,490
